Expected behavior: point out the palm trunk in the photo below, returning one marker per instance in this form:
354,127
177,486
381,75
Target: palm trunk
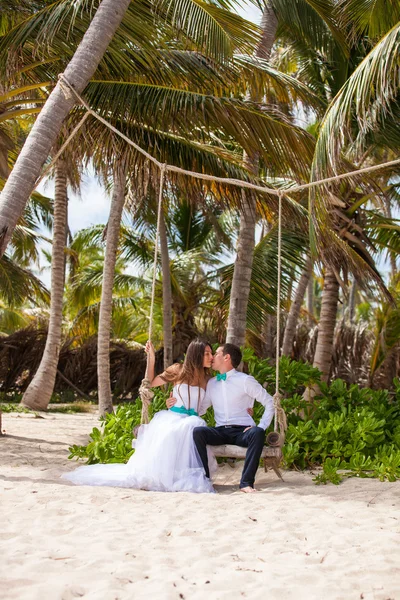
167,295
352,301
310,302
293,317
45,131
268,333
326,326
392,255
39,391
105,316
236,330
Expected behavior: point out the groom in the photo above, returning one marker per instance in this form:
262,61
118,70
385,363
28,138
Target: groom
231,393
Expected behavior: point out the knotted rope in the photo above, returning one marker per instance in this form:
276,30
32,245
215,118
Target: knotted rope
63,82
145,391
276,437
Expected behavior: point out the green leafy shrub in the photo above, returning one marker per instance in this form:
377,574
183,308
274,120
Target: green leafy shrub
348,431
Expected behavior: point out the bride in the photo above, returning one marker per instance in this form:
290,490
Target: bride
165,459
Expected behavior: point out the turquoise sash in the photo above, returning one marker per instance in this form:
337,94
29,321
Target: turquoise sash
184,411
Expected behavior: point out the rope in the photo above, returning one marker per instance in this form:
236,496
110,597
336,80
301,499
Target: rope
162,174
276,437
145,391
61,150
278,313
226,180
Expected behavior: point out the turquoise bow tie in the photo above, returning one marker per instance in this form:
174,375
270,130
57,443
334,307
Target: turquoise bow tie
221,376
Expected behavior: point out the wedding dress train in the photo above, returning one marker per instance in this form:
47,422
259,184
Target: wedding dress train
165,458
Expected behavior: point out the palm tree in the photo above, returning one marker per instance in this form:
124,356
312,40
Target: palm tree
105,315
38,394
301,23
44,133
294,312
236,329
20,289
84,289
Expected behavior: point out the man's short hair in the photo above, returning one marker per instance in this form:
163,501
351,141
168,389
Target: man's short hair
234,352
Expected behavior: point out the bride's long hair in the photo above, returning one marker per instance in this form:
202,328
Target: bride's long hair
192,371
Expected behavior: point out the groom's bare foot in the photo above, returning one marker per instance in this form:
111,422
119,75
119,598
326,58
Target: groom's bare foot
247,490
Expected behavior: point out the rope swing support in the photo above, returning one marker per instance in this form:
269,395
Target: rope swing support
272,454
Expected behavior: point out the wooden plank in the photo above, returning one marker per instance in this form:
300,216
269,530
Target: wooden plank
231,451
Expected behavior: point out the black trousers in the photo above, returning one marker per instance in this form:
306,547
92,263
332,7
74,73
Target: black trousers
253,439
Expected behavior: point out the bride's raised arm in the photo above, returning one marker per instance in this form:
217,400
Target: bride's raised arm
168,376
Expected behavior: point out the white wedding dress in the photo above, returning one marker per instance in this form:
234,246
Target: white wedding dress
165,458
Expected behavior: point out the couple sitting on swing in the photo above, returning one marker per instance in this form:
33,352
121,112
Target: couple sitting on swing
171,451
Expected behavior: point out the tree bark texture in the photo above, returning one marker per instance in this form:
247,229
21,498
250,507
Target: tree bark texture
105,316
392,255
38,394
293,316
44,133
236,329
310,302
326,325
352,301
167,295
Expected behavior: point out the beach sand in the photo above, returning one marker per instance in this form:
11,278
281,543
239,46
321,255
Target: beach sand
290,541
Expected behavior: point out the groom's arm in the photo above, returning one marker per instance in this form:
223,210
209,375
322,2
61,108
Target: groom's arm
255,390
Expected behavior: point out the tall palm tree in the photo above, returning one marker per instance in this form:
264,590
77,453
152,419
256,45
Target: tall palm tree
304,22
294,312
236,329
44,133
365,110
40,389
105,315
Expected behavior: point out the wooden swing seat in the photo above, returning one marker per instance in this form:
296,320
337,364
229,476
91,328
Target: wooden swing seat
271,456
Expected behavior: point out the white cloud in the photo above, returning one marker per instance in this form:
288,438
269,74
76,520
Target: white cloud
250,12
91,207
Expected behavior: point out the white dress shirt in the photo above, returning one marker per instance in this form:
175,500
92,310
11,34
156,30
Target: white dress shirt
231,398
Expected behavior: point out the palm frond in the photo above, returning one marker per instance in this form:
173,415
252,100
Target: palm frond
372,18
281,144
264,278
361,105
56,29
18,285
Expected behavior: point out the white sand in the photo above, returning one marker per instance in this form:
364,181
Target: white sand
292,540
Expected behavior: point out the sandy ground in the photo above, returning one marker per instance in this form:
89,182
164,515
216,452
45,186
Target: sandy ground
290,541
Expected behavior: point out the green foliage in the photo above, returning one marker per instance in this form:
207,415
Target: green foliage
348,431
113,444
13,408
